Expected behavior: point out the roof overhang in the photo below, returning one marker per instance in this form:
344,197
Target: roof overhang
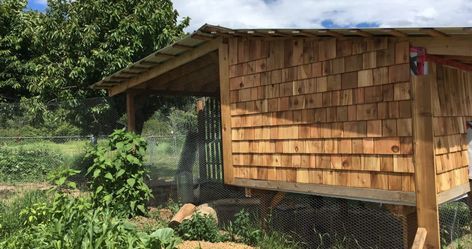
154,71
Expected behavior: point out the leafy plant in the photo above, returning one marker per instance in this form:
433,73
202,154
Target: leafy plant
117,174
200,227
243,229
10,211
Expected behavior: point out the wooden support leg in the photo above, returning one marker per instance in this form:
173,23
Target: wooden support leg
200,105
131,111
405,214
425,167
269,200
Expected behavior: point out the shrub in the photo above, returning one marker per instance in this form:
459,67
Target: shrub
117,174
200,227
28,163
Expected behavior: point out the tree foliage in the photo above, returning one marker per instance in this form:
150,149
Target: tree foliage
54,56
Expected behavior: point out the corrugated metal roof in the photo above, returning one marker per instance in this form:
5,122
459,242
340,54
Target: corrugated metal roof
208,32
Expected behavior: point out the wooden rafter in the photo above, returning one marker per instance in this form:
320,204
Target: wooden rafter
395,33
167,66
330,33
361,33
196,65
433,32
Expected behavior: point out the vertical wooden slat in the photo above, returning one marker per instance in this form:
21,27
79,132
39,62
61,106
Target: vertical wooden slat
200,105
225,112
131,111
425,167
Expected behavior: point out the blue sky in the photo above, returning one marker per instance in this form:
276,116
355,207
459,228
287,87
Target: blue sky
37,4
320,13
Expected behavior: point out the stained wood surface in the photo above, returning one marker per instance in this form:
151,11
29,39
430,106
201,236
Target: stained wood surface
225,112
425,167
322,111
451,110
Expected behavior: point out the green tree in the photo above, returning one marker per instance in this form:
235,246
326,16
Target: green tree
56,55
17,53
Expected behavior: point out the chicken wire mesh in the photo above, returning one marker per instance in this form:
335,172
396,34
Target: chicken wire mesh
186,166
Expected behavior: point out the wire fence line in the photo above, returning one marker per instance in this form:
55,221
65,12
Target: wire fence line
186,166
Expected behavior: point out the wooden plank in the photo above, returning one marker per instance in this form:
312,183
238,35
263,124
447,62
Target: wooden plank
180,60
425,167
452,193
444,46
131,111
420,238
225,112
353,193
200,105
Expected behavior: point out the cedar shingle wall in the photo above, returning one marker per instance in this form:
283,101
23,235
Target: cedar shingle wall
452,107
326,111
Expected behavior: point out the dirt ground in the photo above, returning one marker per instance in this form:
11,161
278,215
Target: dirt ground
208,245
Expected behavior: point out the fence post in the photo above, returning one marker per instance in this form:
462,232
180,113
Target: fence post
131,111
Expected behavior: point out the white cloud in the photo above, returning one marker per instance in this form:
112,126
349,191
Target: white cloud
310,13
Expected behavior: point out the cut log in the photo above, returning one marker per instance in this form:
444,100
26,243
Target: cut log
186,210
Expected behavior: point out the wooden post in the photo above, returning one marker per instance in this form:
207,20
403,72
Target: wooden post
201,138
425,168
131,111
225,112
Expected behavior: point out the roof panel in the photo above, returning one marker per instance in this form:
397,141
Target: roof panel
208,32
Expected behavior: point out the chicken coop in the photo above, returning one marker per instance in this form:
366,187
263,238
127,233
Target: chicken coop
365,114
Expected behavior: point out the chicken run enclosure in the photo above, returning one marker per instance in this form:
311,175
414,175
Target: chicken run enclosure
371,115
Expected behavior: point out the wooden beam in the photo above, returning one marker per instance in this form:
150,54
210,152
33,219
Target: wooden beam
361,194
425,167
196,65
202,93
395,33
361,33
420,238
330,33
131,111
461,46
226,134
180,46
433,32
202,37
166,66
196,80
438,59
452,193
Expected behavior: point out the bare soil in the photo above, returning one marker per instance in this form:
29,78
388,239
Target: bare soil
208,245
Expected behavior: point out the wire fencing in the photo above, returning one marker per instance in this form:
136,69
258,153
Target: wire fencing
186,166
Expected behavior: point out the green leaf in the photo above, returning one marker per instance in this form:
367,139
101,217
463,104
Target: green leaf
131,182
72,184
108,176
96,173
60,181
108,198
99,189
120,173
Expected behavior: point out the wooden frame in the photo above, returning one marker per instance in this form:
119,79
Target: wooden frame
375,195
166,66
425,166
225,112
